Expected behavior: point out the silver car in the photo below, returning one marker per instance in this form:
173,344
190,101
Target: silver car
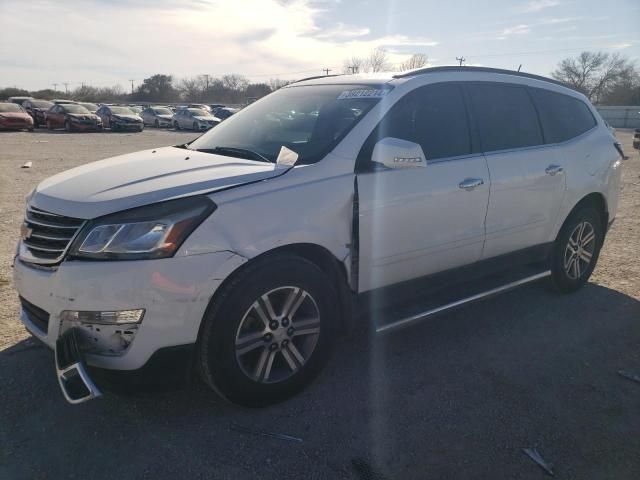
157,116
194,119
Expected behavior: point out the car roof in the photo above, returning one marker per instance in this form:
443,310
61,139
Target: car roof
396,77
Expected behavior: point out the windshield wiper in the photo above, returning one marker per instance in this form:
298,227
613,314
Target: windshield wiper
236,152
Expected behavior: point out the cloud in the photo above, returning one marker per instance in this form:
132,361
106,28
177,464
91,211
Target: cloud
515,30
620,46
122,39
534,6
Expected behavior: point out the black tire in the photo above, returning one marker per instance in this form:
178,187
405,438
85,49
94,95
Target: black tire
225,372
176,125
156,124
566,277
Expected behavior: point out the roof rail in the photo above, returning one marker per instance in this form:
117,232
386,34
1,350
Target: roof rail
422,71
314,77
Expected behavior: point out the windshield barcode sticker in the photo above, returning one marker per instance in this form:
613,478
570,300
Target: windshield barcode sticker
363,93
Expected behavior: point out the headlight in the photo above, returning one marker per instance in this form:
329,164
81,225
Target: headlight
152,231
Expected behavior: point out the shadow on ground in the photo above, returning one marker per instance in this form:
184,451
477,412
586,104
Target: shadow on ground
457,397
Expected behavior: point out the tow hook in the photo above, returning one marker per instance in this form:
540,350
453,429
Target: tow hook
75,383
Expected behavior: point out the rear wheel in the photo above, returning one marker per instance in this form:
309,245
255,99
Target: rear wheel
269,332
67,125
196,126
576,250
176,125
156,124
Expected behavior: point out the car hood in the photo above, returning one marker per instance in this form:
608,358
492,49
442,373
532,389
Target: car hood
83,116
141,178
14,115
165,117
205,118
126,117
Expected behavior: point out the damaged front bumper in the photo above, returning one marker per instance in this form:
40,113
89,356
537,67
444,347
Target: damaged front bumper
88,298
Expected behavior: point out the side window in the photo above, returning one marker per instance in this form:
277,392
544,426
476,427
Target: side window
505,116
563,117
433,116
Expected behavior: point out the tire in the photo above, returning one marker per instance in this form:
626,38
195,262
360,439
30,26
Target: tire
196,127
576,250
156,124
176,125
277,345
67,126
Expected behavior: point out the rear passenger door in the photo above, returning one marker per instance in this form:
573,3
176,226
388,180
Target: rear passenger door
527,176
418,221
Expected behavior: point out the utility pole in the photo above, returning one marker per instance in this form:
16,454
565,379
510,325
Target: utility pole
131,86
461,60
66,88
206,79
519,67
55,87
326,71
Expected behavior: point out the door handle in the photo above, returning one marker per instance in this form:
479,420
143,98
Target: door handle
553,170
469,184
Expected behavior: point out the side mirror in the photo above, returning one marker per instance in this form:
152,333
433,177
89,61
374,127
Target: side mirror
397,153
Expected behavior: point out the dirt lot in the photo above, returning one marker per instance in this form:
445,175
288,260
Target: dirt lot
459,397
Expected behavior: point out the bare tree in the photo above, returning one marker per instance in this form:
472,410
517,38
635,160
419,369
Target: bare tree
595,73
234,81
417,60
192,88
378,61
277,83
353,65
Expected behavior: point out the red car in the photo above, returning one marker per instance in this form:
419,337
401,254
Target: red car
14,117
72,117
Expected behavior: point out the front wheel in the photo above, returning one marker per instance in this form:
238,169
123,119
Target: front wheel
269,331
196,126
576,250
156,124
67,125
176,125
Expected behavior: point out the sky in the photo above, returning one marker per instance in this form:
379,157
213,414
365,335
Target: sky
109,42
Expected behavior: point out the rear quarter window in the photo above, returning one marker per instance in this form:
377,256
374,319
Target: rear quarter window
562,117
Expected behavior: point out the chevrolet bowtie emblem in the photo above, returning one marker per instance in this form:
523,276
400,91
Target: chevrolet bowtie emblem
25,231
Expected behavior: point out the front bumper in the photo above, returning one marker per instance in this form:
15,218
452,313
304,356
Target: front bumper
174,292
127,125
86,127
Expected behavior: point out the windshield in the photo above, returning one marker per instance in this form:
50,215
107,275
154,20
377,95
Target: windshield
75,108
198,112
162,111
90,106
10,107
121,111
41,103
309,120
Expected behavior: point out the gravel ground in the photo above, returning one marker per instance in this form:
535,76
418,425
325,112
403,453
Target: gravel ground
459,397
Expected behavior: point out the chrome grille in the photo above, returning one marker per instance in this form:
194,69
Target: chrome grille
47,236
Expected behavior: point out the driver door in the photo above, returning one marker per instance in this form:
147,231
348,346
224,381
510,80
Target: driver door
418,221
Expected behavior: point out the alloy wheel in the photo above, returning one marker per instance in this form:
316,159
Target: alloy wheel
278,334
579,251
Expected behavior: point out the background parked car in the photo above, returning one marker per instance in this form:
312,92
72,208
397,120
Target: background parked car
117,117
224,112
194,119
72,117
14,117
157,116
92,107
62,101
137,109
37,109
18,100
201,106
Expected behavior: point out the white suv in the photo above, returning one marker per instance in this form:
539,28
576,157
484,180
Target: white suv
244,253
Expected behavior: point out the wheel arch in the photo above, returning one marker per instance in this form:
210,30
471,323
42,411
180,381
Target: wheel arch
596,200
316,254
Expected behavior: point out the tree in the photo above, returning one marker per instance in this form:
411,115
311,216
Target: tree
353,65
277,83
157,88
596,74
13,92
192,89
417,60
378,61
234,81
